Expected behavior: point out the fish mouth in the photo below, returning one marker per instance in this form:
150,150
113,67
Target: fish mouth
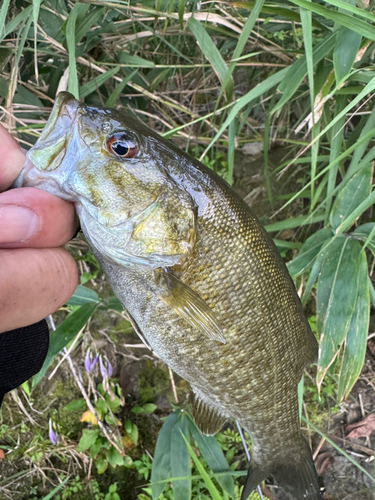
49,150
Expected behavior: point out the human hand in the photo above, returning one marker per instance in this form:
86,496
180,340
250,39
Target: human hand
36,276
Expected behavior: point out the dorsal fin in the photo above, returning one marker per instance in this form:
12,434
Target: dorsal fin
208,420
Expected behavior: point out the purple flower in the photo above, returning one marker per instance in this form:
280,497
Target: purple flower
109,368
89,365
51,433
103,369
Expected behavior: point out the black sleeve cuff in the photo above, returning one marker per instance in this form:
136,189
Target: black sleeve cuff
22,354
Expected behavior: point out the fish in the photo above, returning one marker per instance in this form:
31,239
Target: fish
199,277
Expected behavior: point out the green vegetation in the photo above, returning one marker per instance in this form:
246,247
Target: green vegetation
214,77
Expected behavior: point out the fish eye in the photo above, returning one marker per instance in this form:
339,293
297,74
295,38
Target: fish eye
120,146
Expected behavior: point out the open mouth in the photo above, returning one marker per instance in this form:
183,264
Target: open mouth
49,150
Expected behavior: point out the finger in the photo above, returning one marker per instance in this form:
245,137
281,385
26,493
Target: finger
34,284
11,159
30,217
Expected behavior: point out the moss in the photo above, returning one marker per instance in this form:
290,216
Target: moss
153,381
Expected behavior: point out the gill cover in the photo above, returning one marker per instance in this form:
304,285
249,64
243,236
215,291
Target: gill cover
131,211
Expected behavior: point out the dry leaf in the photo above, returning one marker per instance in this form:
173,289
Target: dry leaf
88,417
2,454
363,428
127,443
323,463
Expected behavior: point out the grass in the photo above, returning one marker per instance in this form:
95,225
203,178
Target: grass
214,76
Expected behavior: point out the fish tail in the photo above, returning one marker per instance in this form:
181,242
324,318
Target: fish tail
298,478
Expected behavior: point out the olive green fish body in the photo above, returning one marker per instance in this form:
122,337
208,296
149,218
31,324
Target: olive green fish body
198,275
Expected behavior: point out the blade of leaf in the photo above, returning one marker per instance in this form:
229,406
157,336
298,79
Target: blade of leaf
298,70
161,466
351,8
336,139
356,338
336,294
214,492
71,44
112,99
94,84
366,233
345,51
86,21
349,221
308,252
350,22
64,334
180,459
3,14
211,53
214,457
83,295
356,190
301,220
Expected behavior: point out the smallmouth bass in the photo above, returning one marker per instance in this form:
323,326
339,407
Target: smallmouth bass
198,275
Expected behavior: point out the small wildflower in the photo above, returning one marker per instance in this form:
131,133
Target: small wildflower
103,369
109,368
51,433
89,365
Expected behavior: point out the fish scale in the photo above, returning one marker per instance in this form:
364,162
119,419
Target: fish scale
198,275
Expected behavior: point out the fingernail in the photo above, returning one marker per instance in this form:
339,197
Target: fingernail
17,224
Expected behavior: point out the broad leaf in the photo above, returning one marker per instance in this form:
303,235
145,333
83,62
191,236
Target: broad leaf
308,252
356,338
214,457
344,54
88,438
83,295
180,459
64,334
336,295
161,466
366,233
355,191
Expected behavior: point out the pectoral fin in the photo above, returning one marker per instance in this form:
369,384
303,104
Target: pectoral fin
191,307
208,420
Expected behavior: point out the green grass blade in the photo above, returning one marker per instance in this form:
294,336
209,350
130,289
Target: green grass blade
350,7
214,457
337,448
242,41
214,492
94,84
112,99
180,459
211,53
292,222
298,70
71,44
64,334
36,7
52,493
87,21
350,22
247,99
3,15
